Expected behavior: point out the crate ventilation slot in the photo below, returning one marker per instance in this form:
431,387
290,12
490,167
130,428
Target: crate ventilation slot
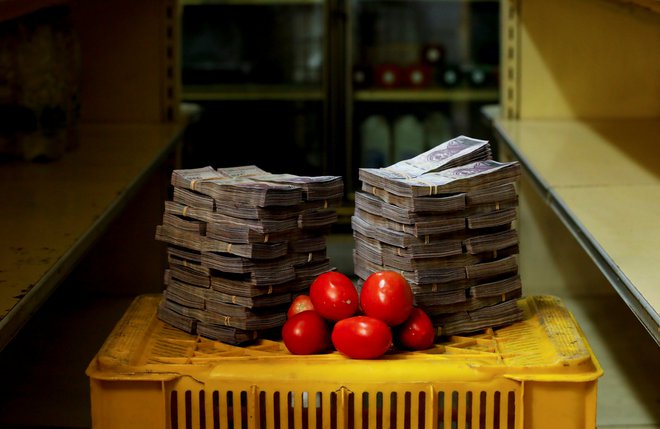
342,409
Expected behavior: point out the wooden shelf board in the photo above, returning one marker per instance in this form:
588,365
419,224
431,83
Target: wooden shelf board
602,179
431,1
249,2
53,212
250,92
283,2
427,95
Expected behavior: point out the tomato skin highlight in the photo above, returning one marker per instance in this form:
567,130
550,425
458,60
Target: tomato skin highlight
334,296
299,304
362,337
416,333
306,333
386,295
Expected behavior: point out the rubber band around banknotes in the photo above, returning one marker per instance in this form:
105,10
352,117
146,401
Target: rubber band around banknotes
233,299
270,290
226,320
309,257
325,204
266,238
497,205
193,182
228,247
184,211
433,188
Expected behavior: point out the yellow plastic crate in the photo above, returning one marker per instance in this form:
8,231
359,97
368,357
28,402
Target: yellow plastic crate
538,373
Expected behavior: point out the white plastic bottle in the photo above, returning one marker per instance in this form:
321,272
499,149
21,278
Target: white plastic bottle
375,142
437,129
408,137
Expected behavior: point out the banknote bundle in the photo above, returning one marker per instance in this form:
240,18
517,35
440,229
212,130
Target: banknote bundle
445,220
241,243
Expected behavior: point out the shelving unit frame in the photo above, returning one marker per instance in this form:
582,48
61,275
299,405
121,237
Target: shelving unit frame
130,125
580,110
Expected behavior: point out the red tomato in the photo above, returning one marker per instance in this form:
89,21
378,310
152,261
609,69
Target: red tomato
387,296
299,304
334,296
306,333
417,332
362,337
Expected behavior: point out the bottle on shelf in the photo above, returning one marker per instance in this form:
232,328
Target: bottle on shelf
416,76
408,137
476,76
375,142
388,76
437,129
482,75
433,54
450,76
362,76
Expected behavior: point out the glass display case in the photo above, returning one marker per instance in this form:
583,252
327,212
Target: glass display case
420,72
326,87
258,69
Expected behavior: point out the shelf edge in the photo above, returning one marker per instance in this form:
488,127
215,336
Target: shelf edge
639,306
23,310
426,95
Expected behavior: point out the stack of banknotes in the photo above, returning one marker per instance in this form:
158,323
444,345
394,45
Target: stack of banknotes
445,220
241,242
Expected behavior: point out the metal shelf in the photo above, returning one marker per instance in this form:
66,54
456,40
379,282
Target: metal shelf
53,213
605,190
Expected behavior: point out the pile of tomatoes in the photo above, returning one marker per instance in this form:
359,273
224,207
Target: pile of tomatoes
363,326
